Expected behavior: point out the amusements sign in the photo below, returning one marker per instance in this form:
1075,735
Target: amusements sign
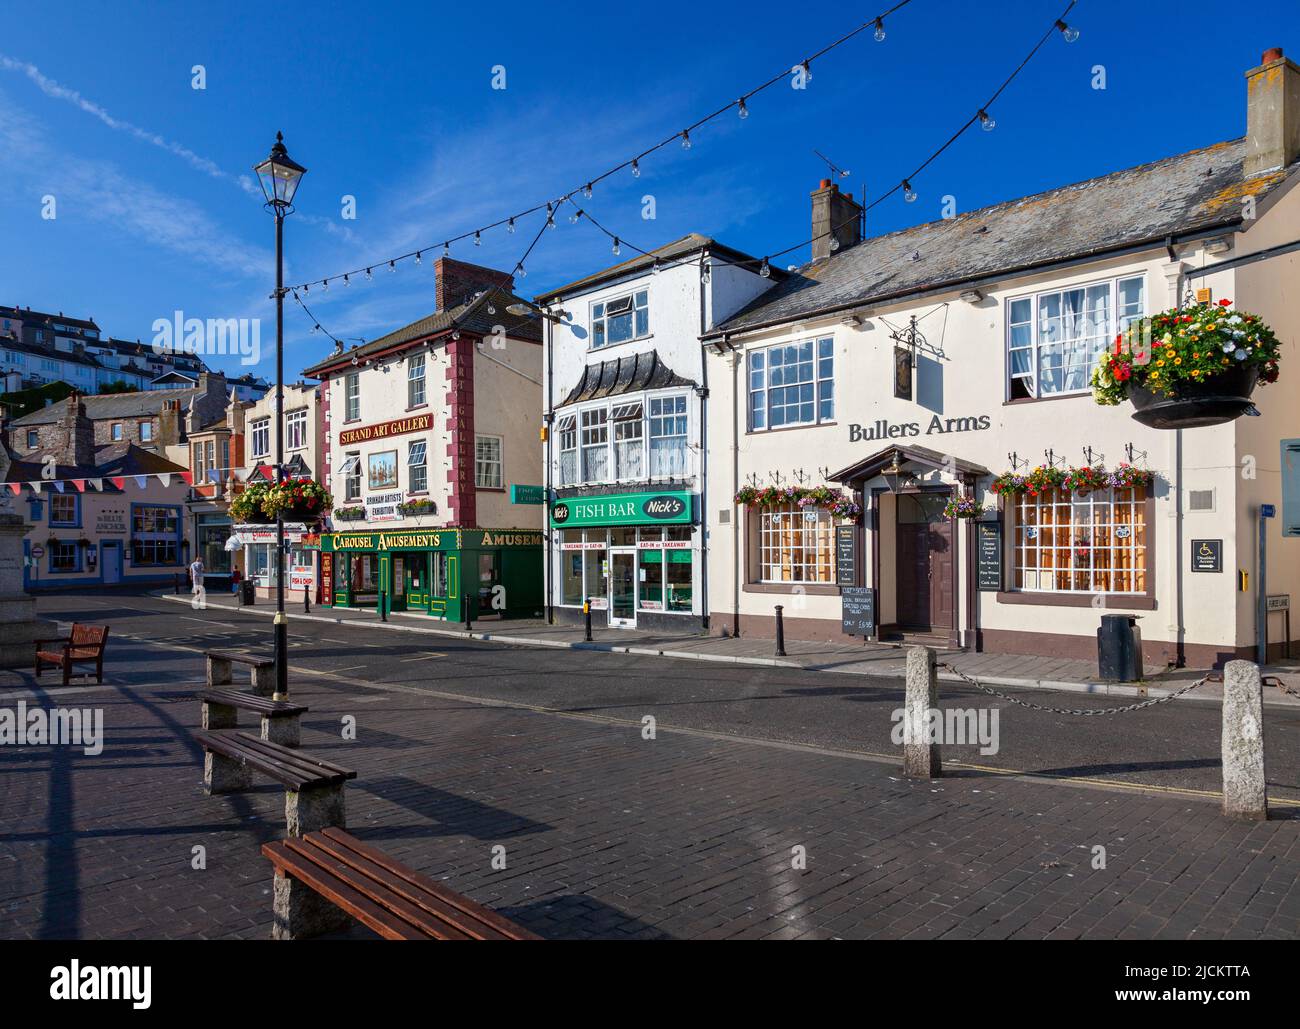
988,556
846,555
858,611
385,430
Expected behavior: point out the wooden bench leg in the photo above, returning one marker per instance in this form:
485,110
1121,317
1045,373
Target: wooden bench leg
283,730
220,716
315,809
218,671
263,680
300,912
225,775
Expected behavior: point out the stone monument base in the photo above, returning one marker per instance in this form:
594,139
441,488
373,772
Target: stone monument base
19,626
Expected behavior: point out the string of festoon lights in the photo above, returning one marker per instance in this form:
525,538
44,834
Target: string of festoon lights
579,213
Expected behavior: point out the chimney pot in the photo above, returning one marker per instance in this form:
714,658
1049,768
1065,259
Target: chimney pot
1273,53
825,184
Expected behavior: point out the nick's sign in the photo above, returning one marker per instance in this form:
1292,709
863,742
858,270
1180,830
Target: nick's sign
623,509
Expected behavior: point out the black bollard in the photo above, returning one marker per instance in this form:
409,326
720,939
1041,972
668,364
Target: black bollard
586,617
465,604
383,606
780,633
176,581
306,601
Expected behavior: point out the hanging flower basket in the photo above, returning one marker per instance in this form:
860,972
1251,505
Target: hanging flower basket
1188,367
963,507
839,504
349,514
417,507
294,500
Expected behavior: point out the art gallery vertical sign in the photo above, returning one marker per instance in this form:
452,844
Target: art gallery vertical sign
460,423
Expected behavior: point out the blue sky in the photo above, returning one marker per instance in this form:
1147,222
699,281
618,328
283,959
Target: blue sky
392,103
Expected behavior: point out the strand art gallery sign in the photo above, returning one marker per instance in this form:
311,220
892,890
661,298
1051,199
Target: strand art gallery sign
385,430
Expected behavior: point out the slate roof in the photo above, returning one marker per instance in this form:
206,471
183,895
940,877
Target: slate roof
48,352
111,405
471,316
629,374
1191,192
678,248
110,460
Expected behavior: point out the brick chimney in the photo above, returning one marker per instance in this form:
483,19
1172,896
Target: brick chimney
1272,114
75,439
835,216
457,281
169,424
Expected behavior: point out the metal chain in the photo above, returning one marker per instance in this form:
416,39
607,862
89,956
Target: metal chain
1273,680
1074,711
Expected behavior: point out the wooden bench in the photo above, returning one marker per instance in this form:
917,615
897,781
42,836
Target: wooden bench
262,670
280,718
329,877
86,644
313,788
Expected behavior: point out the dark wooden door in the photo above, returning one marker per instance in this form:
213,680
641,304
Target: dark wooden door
924,565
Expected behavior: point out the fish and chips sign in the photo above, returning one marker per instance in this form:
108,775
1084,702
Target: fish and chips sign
385,430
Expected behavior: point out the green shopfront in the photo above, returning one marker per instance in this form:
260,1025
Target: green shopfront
496,572
637,557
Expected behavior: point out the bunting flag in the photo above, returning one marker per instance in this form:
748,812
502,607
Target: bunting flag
17,487
188,477
80,485
97,484
142,481
57,484
119,482
36,486
214,475
166,478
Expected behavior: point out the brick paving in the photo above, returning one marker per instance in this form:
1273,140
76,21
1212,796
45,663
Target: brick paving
610,835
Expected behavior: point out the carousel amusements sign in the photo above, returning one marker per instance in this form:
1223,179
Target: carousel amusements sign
385,430
442,539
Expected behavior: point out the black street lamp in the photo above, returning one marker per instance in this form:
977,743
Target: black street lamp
279,176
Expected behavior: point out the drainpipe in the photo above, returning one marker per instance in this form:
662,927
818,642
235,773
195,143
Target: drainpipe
735,488
1180,629
549,420
703,395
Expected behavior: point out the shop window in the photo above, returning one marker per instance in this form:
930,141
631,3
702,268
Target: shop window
417,466
415,396
792,384
438,583
65,556
668,437
664,569
488,472
568,429
1082,543
795,544
621,319
65,511
155,536
1053,338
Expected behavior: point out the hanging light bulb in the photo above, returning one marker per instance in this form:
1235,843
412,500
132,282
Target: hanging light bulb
550,217
655,269
478,240
346,281
521,271
617,250
880,30
419,257
325,285
573,218
446,249
491,308
807,71
741,110
392,267
706,271
986,122
510,226
909,194
835,244
686,139
636,169
306,287
1068,31
587,191
766,270
455,334
369,275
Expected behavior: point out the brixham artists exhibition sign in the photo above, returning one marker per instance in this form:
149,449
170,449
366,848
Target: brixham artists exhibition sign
881,428
386,430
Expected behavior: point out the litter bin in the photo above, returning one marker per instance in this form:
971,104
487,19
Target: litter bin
1119,648
247,592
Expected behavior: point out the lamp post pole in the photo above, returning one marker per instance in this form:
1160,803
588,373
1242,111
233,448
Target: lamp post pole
279,176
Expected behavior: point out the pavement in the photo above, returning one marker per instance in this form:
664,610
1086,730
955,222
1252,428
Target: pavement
854,658
636,797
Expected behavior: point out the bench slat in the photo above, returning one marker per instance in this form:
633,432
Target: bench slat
435,889
289,767
338,892
252,702
240,657
425,908
401,909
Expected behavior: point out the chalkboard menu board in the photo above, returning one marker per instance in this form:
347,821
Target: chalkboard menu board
858,617
988,556
846,555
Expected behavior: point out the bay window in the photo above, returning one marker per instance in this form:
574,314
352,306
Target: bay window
625,441
628,444
1082,543
1053,338
792,384
595,445
668,437
568,429
796,544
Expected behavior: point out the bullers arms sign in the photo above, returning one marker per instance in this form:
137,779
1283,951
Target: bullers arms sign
624,509
882,429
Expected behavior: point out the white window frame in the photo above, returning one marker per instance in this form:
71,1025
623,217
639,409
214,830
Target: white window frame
810,523
261,437
567,429
579,426
416,393
1101,336
1086,523
295,429
599,317
485,466
146,431
417,471
351,472
352,397
758,382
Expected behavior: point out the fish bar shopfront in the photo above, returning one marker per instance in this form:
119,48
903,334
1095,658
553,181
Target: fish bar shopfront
498,572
